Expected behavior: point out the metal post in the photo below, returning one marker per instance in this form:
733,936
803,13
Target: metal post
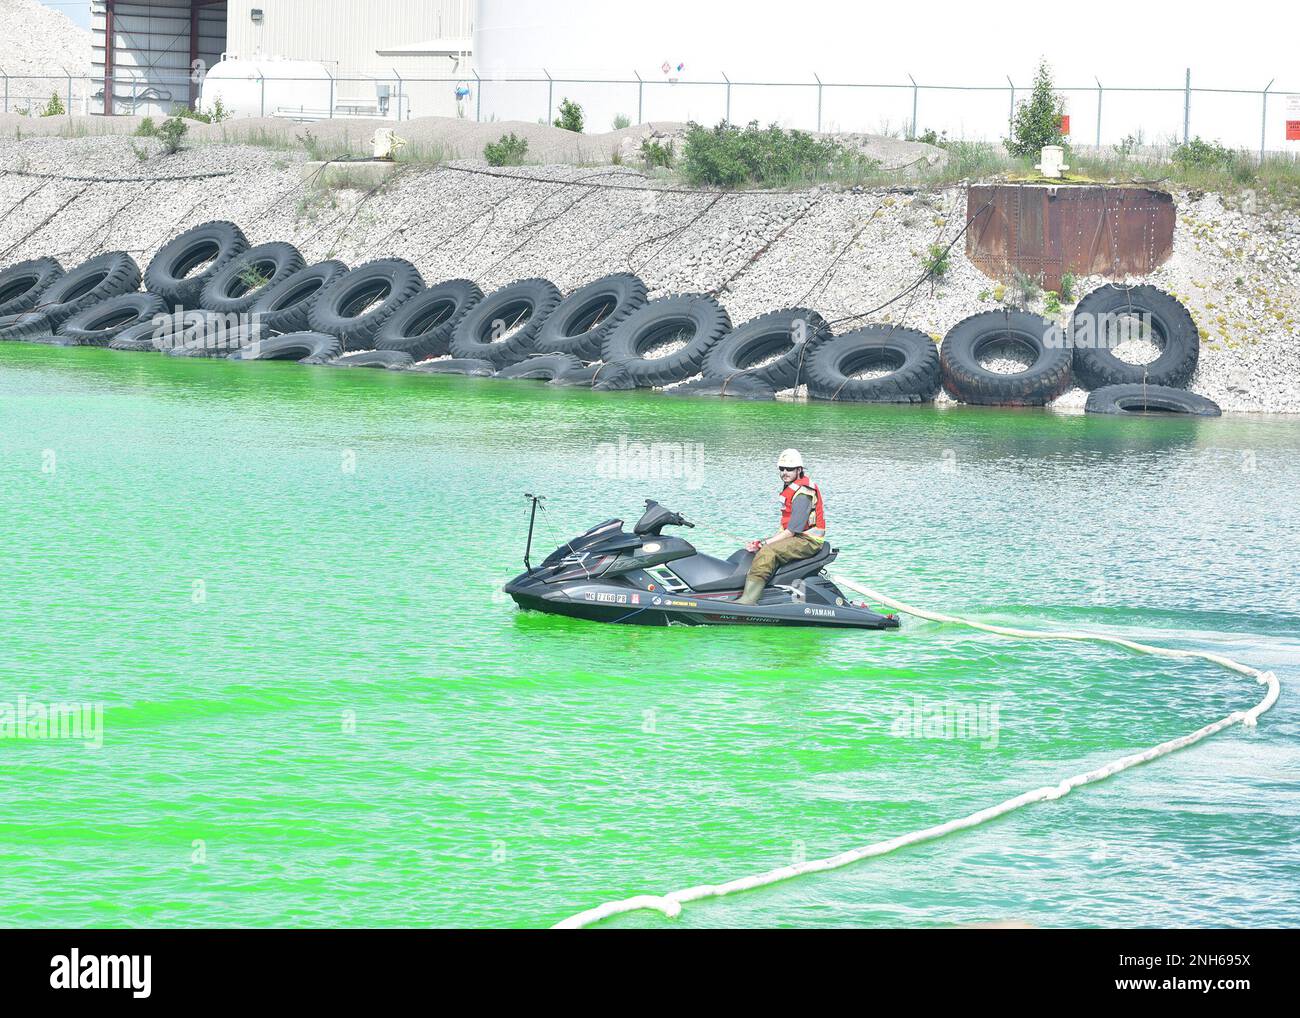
819,101
550,94
478,97
109,43
1098,81
1187,104
65,71
728,81
331,78
6,77
640,88
1263,122
914,93
263,81
399,94
1011,111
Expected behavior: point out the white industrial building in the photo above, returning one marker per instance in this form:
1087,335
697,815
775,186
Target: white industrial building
152,55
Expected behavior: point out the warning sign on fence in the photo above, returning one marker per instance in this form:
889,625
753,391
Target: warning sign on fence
1293,118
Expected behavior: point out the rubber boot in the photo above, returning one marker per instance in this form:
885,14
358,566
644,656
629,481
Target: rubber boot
753,590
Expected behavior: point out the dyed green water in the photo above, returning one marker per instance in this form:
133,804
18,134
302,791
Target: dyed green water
311,688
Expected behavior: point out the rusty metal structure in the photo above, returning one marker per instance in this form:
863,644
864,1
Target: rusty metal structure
1046,230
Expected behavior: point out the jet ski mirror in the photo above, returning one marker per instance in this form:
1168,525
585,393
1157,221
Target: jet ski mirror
656,517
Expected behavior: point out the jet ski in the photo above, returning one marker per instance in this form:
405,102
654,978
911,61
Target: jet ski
651,579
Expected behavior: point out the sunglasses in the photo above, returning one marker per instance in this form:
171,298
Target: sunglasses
788,470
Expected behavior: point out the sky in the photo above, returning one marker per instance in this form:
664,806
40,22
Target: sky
77,10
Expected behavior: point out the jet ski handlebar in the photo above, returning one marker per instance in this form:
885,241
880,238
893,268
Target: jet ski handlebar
656,517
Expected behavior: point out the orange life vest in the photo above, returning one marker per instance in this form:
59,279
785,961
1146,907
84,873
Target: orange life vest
816,518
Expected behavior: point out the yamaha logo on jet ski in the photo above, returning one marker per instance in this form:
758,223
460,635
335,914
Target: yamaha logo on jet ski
601,574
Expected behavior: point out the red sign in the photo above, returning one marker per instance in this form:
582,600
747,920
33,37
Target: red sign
1065,124
1293,130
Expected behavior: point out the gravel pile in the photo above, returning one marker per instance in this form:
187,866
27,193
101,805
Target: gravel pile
841,252
35,39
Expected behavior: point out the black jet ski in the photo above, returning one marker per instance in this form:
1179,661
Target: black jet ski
647,578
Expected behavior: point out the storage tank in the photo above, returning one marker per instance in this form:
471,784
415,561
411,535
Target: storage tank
267,87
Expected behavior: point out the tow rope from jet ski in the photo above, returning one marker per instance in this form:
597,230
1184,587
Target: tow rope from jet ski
671,904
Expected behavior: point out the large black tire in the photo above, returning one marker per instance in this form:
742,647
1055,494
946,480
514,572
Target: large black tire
21,285
138,338
1092,338
736,386
228,290
423,325
283,307
206,335
793,333
909,355
156,335
24,325
99,323
458,366
356,305
303,347
171,273
614,378
700,320
392,359
542,367
972,338
580,323
522,306
94,280
1149,399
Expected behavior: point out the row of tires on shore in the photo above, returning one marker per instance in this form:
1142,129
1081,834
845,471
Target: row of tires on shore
209,293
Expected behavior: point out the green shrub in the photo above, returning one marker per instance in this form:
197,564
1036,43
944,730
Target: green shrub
189,113
930,138
1037,121
1027,287
147,128
1067,286
935,261
1051,303
731,156
570,118
1130,144
653,154
1199,154
508,151
172,131
621,121
53,108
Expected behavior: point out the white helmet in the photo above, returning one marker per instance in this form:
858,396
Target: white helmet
790,458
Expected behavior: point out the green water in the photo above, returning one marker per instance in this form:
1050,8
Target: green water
281,584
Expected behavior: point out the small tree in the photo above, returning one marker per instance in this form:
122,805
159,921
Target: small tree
53,108
1038,119
570,117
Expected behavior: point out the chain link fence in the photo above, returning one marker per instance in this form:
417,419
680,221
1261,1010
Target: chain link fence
1256,120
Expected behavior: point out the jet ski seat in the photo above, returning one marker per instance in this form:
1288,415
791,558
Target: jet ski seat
708,575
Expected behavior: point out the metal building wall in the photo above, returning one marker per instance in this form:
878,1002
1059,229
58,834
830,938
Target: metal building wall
345,34
149,70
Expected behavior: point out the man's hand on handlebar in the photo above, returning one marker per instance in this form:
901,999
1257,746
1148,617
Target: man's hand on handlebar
754,545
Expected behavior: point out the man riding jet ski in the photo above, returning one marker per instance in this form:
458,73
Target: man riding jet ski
647,578
803,527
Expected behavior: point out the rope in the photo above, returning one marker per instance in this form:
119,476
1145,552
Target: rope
671,904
